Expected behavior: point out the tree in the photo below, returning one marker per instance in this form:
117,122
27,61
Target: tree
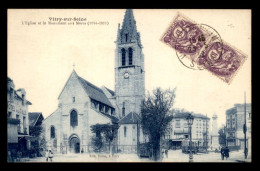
36,131
43,143
97,143
108,130
222,137
156,116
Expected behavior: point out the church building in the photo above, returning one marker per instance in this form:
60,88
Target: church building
82,104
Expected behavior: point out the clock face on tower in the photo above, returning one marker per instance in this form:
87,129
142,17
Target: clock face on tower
126,75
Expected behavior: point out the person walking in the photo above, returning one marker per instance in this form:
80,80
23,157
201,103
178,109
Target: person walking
13,155
9,158
162,153
222,152
150,153
166,153
46,155
50,155
19,155
227,152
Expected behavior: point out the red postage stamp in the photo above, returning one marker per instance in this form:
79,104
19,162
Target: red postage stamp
204,48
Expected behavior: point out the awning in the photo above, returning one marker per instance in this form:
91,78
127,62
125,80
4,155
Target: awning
181,131
31,138
176,140
27,137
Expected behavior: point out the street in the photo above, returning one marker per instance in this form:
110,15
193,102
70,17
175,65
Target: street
173,156
178,156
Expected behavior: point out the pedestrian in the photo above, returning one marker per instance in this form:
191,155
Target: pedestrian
9,158
82,151
151,153
227,152
46,155
13,155
50,155
19,155
166,153
162,153
222,152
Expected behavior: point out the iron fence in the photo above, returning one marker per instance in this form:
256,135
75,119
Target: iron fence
64,149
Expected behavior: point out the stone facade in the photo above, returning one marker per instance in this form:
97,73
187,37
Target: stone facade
17,114
129,75
179,131
126,133
214,134
235,119
72,98
82,104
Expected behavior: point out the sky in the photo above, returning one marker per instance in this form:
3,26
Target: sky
41,57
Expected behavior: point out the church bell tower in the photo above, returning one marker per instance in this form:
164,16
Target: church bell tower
129,67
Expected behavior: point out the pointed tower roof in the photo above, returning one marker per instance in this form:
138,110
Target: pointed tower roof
128,29
129,23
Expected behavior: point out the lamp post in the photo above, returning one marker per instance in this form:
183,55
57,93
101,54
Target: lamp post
206,134
225,132
190,122
245,129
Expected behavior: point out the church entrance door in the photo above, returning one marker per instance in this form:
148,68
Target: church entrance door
74,145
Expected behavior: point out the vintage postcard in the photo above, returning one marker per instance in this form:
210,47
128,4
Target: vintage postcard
129,85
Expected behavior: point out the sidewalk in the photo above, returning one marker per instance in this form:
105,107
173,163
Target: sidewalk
178,156
86,157
173,156
239,156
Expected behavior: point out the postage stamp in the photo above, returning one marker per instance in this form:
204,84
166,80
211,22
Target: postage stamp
199,46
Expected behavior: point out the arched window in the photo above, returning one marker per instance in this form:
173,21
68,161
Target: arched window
73,118
123,57
126,37
125,131
130,54
52,131
123,109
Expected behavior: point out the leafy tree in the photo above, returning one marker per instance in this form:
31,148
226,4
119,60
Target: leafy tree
108,130
97,143
43,143
155,117
222,137
36,131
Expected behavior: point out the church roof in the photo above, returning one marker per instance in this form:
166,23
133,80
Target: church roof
94,92
113,118
51,114
110,91
131,118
